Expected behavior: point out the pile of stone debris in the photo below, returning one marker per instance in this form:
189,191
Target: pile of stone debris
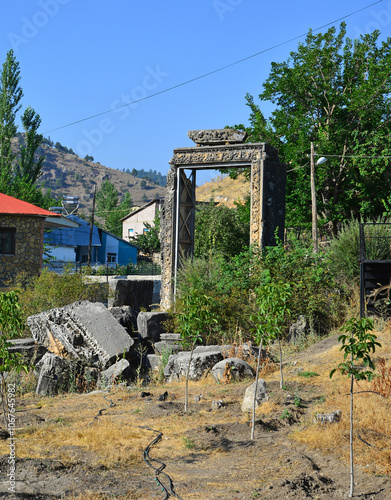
89,342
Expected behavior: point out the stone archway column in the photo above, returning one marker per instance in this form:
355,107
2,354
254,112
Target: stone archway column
268,180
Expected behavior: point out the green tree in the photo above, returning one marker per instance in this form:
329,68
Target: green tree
10,96
18,177
27,168
193,319
149,240
335,92
270,322
111,209
357,343
221,229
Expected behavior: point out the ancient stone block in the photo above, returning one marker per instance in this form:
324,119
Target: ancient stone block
201,362
83,330
234,368
261,395
150,325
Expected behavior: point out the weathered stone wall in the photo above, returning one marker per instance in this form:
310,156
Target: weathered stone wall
167,238
28,247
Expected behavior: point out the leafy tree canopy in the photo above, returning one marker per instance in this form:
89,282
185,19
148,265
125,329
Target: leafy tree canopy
149,240
335,92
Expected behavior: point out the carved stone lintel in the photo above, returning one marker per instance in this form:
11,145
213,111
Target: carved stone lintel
217,136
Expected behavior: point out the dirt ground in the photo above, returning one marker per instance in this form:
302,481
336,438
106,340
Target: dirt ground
217,458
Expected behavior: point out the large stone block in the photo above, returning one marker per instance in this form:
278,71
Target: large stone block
201,362
136,293
235,368
53,372
83,330
150,325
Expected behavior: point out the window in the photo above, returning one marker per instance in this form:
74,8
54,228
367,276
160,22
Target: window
130,232
7,240
111,257
145,230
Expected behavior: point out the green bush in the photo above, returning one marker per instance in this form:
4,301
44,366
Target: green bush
227,284
220,229
50,290
315,291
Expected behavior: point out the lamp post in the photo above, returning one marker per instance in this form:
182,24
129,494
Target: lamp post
313,197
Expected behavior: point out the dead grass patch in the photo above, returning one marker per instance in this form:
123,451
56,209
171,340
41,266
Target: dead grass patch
372,413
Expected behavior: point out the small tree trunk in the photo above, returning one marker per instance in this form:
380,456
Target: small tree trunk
256,388
187,377
4,403
351,440
282,376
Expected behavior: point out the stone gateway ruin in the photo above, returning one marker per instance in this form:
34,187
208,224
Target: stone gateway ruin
218,149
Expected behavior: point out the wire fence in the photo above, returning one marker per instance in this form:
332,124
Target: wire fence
142,268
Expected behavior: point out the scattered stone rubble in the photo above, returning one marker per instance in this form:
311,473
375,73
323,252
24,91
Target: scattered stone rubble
104,345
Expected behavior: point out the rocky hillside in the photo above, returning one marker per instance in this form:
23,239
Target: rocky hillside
66,174
224,190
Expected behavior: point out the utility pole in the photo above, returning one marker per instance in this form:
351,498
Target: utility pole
313,199
91,229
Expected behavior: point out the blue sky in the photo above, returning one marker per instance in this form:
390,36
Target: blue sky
80,58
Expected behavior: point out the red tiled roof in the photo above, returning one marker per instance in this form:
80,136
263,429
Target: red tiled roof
12,206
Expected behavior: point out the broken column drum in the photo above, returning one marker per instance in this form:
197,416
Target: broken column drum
218,149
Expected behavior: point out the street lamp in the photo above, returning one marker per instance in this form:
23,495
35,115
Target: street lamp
320,161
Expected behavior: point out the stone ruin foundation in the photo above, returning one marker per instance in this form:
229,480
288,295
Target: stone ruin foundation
218,149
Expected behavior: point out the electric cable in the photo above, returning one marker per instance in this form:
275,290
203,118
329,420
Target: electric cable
209,73
168,491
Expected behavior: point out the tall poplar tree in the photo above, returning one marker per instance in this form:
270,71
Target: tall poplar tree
10,96
18,176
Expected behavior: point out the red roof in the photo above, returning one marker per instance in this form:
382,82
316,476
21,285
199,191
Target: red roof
12,206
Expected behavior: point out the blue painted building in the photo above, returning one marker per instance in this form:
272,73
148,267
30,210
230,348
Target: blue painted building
70,245
115,250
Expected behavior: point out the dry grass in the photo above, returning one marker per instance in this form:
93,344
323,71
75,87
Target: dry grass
224,190
116,438
372,413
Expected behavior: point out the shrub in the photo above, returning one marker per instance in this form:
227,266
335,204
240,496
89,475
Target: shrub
227,283
50,290
315,292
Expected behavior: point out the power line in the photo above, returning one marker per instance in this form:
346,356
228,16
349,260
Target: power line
222,68
340,156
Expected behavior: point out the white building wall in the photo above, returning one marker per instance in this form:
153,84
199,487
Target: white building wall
134,225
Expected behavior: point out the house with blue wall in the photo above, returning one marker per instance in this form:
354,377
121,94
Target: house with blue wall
115,250
70,245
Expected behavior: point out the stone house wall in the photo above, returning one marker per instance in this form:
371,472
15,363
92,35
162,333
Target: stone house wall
28,247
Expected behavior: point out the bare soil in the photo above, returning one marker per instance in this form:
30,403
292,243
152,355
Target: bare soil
218,460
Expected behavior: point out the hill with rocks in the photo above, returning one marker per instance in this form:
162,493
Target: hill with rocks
66,174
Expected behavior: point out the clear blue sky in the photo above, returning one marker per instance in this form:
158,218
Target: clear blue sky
79,58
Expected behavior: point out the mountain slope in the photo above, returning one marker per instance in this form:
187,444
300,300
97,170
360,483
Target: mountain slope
224,190
66,174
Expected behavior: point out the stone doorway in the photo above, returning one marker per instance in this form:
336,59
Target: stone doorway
218,149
